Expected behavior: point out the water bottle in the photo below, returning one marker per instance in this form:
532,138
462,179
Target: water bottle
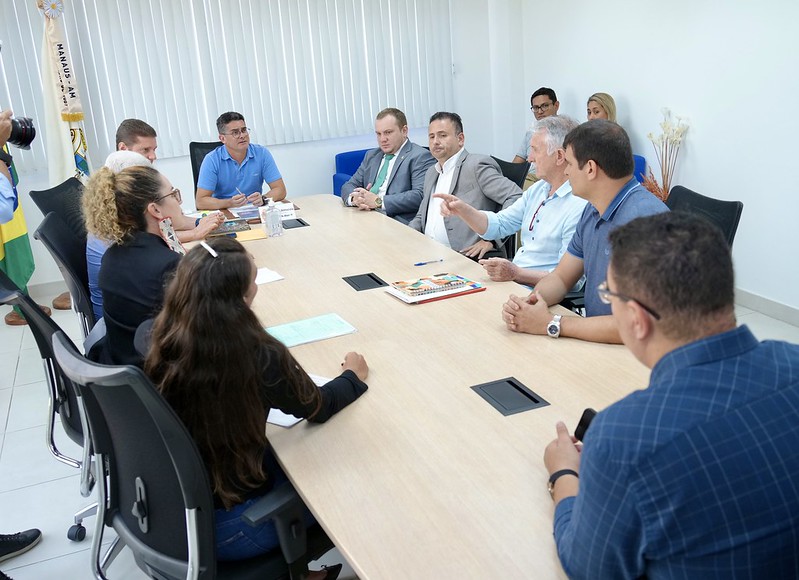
274,223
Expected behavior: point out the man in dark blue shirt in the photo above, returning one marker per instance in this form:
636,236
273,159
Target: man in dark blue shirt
599,166
696,476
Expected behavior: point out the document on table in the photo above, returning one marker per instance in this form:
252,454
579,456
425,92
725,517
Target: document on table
278,417
247,211
265,275
311,329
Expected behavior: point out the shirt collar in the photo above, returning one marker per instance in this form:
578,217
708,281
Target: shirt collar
564,189
226,153
449,164
619,199
712,348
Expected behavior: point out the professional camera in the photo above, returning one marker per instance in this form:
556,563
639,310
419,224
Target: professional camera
22,132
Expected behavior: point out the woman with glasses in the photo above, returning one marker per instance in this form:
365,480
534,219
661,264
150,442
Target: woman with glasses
212,361
601,106
129,210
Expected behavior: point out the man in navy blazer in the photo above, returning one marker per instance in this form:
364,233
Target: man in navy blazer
390,177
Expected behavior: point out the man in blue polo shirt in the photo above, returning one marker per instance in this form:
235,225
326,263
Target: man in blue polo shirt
599,166
232,175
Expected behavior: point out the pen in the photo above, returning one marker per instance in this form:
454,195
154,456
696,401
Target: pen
430,262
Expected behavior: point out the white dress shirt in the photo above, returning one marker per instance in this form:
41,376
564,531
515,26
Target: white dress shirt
435,227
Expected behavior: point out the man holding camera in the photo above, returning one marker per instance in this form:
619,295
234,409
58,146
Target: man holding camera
8,203
7,197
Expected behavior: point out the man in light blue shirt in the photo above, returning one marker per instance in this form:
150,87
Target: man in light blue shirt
546,214
233,174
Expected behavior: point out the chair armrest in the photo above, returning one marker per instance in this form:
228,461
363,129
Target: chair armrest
284,506
270,506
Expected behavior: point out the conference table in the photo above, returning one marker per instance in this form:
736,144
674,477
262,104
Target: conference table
421,477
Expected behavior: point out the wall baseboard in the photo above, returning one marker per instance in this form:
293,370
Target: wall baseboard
47,289
768,307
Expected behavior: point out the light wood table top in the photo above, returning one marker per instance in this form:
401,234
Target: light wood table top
420,477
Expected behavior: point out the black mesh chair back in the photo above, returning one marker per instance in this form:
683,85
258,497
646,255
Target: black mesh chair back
156,494
197,152
63,397
724,214
65,200
516,172
69,252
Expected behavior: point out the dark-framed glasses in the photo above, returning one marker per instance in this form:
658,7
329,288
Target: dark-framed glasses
175,191
541,108
238,132
605,295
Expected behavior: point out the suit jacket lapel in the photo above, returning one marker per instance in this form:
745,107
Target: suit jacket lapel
401,154
456,172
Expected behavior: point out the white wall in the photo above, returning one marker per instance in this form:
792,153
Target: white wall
731,68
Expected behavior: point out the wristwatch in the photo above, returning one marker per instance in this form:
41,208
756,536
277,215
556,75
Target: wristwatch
553,328
557,475
378,202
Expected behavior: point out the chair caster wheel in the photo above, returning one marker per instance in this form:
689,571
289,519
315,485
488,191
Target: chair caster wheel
76,533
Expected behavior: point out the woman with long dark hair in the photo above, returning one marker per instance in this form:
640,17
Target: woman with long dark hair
213,362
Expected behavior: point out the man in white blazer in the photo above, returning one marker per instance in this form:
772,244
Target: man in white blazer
390,177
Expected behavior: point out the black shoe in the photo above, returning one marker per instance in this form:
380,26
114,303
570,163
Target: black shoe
332,571
15,544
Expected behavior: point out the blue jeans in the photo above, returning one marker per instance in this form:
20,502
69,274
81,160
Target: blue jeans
236,539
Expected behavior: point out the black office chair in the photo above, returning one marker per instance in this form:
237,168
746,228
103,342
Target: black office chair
69,253
65,200
155,491
64,400
724,214
517,173
197,152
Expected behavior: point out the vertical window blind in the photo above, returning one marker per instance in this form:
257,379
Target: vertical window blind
298,70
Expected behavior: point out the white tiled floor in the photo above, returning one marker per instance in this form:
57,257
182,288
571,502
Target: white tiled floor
36,490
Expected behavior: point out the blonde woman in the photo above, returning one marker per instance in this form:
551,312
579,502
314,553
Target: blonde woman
126,209
601,106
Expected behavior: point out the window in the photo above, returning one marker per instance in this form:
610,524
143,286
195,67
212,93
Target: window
298,70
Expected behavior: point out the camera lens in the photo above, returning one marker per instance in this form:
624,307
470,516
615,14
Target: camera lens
22,132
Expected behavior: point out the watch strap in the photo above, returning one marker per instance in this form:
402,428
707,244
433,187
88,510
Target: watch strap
558,474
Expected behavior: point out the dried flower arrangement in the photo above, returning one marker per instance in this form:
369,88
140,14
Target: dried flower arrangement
667,148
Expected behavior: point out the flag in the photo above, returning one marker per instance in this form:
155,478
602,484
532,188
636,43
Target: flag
16,257
67,153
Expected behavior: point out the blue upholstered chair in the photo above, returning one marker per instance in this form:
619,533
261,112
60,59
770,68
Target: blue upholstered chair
347,164
640,168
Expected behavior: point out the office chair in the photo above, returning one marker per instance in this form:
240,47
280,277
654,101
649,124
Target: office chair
155,491
69,253
347,163
517,173
65,200
64,400
197,152
724,214
639,168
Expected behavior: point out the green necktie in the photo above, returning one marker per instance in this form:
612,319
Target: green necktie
381,175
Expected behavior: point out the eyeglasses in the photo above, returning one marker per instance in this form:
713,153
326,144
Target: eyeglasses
541,108
238,132
175,191
605,295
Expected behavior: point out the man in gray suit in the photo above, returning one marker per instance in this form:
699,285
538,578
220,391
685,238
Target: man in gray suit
390,177
476,179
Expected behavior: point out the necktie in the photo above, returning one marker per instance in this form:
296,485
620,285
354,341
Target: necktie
381,175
